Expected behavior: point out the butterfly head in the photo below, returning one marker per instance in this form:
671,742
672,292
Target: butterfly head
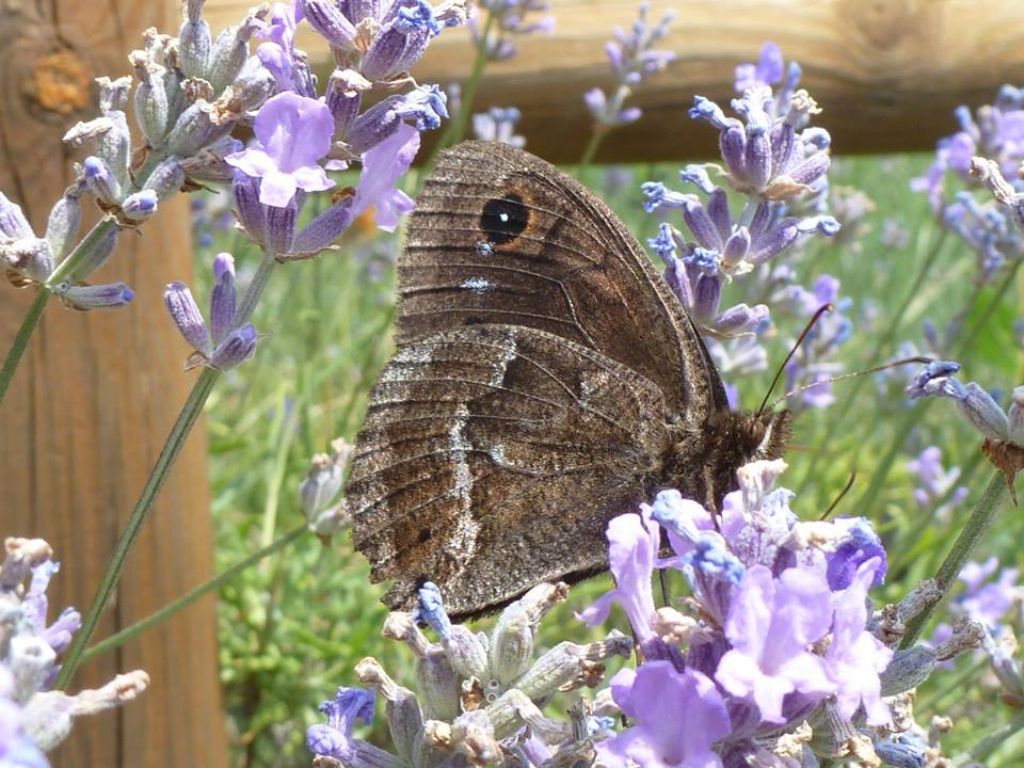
706,464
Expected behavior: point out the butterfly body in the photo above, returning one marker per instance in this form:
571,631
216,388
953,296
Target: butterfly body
546,380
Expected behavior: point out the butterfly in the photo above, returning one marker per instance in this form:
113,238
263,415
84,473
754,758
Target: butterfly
546,379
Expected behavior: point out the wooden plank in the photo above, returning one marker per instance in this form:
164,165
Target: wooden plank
96,394
887,74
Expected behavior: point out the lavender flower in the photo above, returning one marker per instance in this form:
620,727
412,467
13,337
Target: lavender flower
770,624
293,134
507,20
498,124
633,58
975,404
318,493
479,696
987,149
988,602
226,342
780,625
935,483
995,132
653,695
34,719
777,163
815,360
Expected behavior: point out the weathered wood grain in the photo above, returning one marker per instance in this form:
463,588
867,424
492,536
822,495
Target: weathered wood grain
887,73
94,398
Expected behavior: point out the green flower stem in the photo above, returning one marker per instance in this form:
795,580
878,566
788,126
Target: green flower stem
120,638
43,294
968,343
880,346
28,325
992,499
984,748
172,447
596,137
456,128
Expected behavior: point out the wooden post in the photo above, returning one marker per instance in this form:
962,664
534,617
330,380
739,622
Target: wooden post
94,398
887,74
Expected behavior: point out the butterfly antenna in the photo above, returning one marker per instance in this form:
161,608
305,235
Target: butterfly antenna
803,335
854,374
842,494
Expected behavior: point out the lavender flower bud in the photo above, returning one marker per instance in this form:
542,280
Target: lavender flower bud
237,347
49,715
108,296
908,668
472,736
280,226
139,206
31,661
194,46
185,313
512,645
327,19
564,664
984,413
223,297
58,635
1016,417
96,255
150,103
405,721
902,750
20,557
114,147
13,224
28,256
64,222
209,164
344,97
230,51
1002,653
438,685
323,481
250,211
514,708
325,228
466,653
248,92
393,52
167,178
194,130
101,181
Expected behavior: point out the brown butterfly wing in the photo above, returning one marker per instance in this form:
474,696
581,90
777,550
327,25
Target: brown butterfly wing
500,236
492,458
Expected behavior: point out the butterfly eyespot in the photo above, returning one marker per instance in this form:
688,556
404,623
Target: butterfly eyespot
504,218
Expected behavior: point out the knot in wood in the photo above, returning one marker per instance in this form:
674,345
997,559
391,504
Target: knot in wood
62,82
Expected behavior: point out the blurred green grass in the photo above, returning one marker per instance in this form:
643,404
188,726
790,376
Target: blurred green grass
292,629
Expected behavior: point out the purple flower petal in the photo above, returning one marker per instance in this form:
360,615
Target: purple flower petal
294,133
677,718
382,167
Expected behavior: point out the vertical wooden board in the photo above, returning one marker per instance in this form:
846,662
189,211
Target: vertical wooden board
94,399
